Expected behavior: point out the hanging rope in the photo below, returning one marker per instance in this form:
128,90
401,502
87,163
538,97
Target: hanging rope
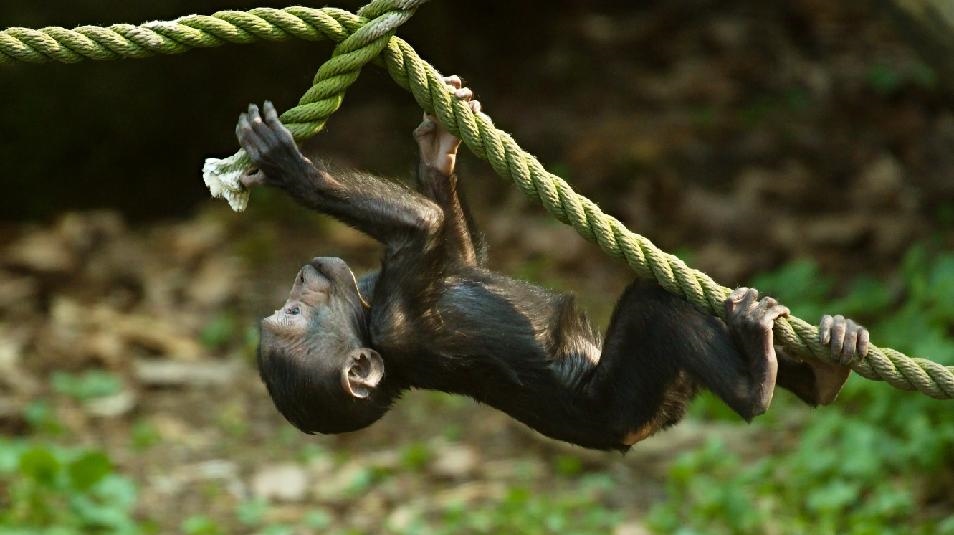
367,35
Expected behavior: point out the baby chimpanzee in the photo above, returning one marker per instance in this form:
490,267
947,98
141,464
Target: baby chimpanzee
435,317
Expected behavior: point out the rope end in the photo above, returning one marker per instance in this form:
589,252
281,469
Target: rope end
221,176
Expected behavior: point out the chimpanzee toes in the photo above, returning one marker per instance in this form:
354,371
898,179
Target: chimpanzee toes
847,340
839,330
863,342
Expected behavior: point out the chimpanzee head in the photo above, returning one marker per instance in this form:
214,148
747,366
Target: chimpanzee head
313,354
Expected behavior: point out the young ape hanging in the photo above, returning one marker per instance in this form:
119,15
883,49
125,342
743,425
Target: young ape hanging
437,318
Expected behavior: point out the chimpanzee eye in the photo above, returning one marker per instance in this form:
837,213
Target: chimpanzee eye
292,311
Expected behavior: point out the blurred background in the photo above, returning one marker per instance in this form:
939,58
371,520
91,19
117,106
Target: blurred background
803,147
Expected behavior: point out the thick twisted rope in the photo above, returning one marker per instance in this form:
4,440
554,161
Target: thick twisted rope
26,45
360,39
510,161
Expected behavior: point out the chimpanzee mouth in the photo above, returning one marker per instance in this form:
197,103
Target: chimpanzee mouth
323,269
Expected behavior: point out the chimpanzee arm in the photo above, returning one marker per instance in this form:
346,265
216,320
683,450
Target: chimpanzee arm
465,243
437,180
380,208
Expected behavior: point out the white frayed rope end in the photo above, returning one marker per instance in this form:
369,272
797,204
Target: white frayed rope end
221,176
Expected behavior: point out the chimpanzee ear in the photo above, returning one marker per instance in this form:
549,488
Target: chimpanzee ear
363,369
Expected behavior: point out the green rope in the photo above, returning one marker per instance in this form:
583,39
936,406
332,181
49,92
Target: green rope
361,38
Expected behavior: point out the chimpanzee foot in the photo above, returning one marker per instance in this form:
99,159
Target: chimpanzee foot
750,321
847,339
438,147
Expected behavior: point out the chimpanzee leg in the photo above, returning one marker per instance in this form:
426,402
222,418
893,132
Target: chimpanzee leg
659,349
797,377
814,382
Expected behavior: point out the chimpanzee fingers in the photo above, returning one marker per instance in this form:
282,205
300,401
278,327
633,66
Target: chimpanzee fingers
737,295
454,81
464,94
253,178
749,300
247,137
282,133
778,311
838,329
761,307
263,131
271,114
475,106
253,113
767,310
732,302
824,329
238,127
743,311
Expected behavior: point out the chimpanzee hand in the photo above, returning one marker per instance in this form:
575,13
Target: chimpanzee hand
438,147
271,147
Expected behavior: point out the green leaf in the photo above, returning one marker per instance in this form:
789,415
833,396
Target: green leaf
318,519
200,525
88,385
39,464
88,469
252,512
219,332
118,490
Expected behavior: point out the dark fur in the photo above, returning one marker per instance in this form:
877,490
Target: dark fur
441,320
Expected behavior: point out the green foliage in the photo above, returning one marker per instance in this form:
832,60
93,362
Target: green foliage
252,512
529,513
568,465
87,385
415,456
144,435
219,332
888,80
855,463
200,525
51,490
318,519
42,418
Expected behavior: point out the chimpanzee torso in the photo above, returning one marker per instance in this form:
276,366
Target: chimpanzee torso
504,342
